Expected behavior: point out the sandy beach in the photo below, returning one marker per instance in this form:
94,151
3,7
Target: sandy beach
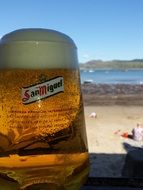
107,146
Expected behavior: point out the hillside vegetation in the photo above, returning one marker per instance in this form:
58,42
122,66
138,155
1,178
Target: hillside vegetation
114,64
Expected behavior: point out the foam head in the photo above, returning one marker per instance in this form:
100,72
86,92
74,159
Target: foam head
37,49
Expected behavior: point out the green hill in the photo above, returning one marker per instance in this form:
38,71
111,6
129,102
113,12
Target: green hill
114,64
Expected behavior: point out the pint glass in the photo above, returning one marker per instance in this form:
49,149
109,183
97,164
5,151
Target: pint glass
43,141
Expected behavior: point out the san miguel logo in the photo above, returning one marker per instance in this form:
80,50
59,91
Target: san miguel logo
43,90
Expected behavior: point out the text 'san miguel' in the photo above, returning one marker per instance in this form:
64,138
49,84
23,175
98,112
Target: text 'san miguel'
42,90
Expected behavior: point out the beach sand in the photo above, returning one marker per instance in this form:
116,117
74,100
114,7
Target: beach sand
107,147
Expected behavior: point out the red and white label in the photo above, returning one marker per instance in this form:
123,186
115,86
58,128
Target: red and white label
43,90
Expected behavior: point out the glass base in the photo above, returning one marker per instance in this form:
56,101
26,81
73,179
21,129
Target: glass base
44,186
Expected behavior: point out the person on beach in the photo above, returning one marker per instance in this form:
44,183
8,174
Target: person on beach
93,115
137,132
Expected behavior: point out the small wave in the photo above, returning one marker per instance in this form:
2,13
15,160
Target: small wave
91,71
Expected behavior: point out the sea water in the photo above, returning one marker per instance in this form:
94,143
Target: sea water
112,76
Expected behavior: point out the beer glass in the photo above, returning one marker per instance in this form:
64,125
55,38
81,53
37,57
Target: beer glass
43,141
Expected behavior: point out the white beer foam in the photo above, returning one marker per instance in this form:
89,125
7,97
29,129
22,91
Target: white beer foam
59,65
37,49
15,56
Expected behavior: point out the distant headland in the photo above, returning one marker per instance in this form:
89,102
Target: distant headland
113,64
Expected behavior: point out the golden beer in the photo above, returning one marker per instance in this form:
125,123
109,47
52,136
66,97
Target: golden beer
42,130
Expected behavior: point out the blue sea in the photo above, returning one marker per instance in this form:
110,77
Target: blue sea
112,76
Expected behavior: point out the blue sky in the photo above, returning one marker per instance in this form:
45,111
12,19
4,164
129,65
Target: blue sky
101,29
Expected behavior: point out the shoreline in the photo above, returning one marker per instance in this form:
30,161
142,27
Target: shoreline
110,69
112,94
